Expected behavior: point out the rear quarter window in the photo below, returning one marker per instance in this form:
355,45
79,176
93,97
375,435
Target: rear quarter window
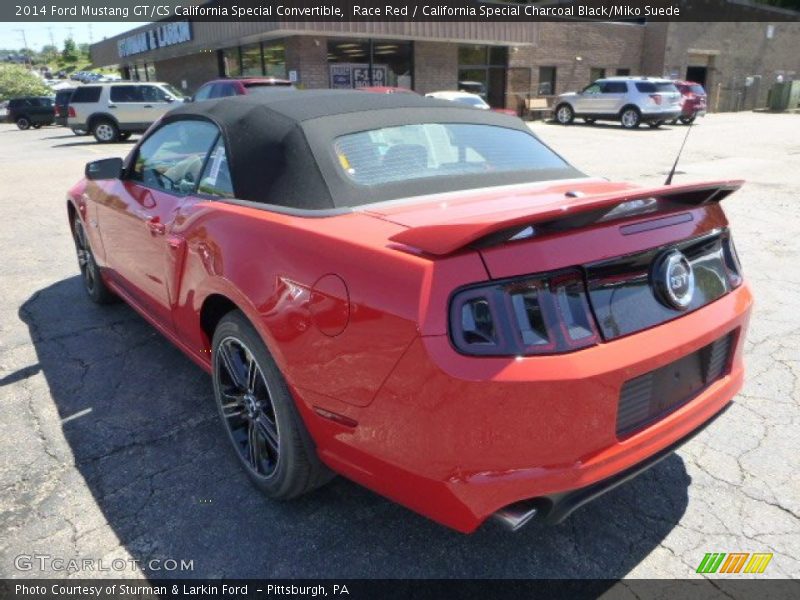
86,94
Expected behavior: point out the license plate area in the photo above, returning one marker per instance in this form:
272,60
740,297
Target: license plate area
650,397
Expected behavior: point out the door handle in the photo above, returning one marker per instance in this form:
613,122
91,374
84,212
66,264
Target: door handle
155,226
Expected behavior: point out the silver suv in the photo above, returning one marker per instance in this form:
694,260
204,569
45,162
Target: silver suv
630,100
113,111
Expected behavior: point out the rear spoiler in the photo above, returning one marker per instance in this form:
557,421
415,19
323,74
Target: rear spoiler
569,212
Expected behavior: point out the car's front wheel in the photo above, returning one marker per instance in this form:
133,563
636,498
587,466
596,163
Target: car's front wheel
259,414
23,123
105,131
564,114
90,272
630,118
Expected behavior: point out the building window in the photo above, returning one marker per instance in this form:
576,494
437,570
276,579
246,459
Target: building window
482,71
274,59
547,81
251,60
232,62
350,62
596,73
623,72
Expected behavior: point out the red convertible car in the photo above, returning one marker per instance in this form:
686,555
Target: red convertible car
422,297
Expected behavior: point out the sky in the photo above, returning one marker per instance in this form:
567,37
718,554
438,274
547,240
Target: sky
38,34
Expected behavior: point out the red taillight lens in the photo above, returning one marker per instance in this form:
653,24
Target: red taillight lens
545,314
71,112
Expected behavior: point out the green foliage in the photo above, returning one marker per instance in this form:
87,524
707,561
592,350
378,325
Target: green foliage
16,80
70,52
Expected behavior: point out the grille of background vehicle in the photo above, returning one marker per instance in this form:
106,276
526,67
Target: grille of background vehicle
650,397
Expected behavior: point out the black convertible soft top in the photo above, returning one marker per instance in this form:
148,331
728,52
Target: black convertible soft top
281,151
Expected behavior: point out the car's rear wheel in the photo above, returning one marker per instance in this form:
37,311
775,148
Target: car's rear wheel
90,272
259,414
687,120
564,114
105,131
630,118
23,123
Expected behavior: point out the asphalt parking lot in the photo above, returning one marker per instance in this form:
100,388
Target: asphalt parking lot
111,446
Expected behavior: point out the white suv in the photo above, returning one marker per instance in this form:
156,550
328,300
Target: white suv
631,100
113,111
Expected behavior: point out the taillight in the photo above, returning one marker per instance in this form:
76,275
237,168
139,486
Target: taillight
655,98
71,112
732,265
542,314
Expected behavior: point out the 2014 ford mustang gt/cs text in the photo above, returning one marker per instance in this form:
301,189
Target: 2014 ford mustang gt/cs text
422,297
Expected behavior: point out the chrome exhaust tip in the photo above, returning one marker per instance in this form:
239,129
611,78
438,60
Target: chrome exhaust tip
514,516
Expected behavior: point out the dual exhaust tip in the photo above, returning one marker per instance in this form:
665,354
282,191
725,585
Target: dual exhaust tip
515,516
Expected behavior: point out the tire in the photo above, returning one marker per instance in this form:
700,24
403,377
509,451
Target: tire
259,415
23,123
688,120
124,135
90,272
630,117
590,121
105,131
564,114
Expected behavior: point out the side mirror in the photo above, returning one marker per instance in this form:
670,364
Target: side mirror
107,168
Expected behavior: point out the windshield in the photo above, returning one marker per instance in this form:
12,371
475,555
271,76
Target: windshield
697,89
172,90
267,88
432,150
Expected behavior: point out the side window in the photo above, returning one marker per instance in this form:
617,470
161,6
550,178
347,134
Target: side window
151,93
204,93
172,158
125,93
592,89
222,90
614,87
86,93
216,178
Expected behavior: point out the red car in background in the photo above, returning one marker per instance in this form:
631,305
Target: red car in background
241,86
694,101
420,296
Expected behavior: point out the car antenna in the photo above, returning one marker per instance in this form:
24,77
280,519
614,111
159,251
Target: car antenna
677,158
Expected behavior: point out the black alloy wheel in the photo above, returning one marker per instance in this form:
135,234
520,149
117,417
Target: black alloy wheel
90,272
246,407
259,413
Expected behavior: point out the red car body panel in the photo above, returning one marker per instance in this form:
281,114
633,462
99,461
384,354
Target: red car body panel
354,309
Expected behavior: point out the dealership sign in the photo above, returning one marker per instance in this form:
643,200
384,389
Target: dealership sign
168,34
350,75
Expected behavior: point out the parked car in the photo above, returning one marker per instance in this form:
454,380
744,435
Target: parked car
420,296
113,111
61,107
30,111
694,101
630,100
221,88
473,100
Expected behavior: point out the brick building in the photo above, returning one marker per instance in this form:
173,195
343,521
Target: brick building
505,62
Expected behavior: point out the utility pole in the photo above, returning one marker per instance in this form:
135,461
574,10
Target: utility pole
52,42
90,33
28,59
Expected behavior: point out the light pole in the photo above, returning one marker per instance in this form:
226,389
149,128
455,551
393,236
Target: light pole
25,44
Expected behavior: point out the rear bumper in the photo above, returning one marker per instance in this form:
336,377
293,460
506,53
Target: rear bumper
457,438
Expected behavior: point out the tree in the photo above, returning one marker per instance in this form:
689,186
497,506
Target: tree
70,51
16,80
49,52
